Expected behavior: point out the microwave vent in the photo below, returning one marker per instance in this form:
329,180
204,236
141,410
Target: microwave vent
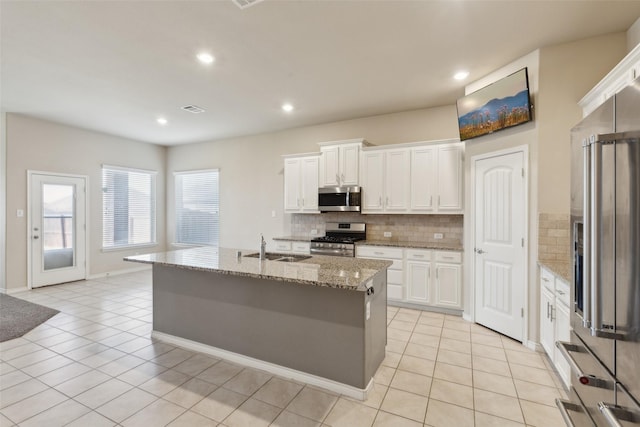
193,109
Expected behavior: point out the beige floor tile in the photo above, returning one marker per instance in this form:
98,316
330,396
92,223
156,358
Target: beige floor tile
391,359
431,321
534,375
142,373
453,393
191,419
82,383
376,395
530,359
154,350
220,373
421,351
164,382
442,414
190,393
478,338
125,405
278,392
312,403
455,334
347,413
411,382
402,325
395,346
428,329
103,393
159,413
102,358
14,394
59,415
417,365
13,378
398,335
195,364
539,415
27,408
510,344
384,375
498,404
92,419
248,381
454,358
122,365
455,345
491,366
5,368
423,339
486,420
25,348
489,352
494,382
453,373
219,404
289,419
173,357
457,324
31,358
537,393
385,419
407,315
405,404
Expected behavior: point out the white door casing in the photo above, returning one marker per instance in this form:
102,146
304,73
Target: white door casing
499,242
57,228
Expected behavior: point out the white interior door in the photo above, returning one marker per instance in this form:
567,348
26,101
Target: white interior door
500,221
57,229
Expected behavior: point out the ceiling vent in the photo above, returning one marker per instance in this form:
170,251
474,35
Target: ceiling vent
193,109
243,4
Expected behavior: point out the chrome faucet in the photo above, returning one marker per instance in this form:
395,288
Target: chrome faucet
263,247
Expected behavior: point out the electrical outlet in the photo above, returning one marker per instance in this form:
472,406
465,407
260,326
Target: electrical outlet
20,213
387,234
438,236
314,232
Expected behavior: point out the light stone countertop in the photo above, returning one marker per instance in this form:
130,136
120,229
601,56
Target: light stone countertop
327,271
417,245
561,269
296,238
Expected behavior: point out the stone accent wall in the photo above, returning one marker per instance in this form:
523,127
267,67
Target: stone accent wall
554,237
403,228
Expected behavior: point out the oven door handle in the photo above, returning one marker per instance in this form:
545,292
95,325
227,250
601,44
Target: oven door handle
584,379
565,406
613,414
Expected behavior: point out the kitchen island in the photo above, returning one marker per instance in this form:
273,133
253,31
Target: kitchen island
320,320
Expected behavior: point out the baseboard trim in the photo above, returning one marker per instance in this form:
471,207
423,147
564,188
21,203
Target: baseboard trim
272,368
11,291
467,317
118,272
412,306
532,345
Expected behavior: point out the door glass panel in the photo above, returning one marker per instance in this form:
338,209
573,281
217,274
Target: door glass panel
58,226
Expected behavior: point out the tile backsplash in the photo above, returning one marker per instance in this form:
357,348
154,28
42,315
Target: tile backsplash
404,228
553,237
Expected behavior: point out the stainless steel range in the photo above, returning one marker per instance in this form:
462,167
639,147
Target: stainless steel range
339,239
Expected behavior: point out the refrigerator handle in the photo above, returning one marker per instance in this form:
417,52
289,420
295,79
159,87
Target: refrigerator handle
586,264
613,414
596,226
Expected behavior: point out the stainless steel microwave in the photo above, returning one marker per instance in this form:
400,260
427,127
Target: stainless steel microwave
339,199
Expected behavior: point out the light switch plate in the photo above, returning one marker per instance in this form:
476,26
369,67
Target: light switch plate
314,232
387,234
20,213
438,236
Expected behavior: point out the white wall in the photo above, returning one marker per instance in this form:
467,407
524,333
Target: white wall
3,201
34,144
633,35
251,168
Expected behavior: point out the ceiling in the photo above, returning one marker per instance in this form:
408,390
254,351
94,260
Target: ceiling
116,66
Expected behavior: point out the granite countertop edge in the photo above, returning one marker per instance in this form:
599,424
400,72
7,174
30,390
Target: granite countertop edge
295,238
414,245
561,269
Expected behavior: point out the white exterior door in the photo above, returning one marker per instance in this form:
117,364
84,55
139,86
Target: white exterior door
499,224
57,229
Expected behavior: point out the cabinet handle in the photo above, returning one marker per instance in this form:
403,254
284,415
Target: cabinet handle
561,292
430,200
585,379
338,179
386,203
418,256
380,200
548,305
303,202
298,202
378,253
342,177
552,316
545,279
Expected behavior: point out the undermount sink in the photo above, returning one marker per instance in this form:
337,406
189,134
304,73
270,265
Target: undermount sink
271,256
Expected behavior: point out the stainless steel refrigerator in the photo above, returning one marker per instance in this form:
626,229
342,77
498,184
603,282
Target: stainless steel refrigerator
604,352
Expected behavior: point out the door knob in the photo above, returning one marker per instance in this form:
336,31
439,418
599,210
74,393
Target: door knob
36,237
479,251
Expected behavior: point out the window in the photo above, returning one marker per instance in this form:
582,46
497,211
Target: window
128,207
197,207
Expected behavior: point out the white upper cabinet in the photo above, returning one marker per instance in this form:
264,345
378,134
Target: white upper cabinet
385,180
301,183
436,179
339,161
620,77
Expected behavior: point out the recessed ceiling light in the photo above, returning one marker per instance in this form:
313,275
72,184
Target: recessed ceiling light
205,58
461,75
287,107
162,121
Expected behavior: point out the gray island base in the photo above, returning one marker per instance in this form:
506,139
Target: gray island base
321,321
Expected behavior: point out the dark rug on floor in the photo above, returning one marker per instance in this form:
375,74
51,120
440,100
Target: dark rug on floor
17,316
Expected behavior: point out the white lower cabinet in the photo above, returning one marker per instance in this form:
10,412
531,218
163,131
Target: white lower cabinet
292,247
420,276
554,319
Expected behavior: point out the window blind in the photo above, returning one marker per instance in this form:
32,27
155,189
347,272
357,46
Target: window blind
197,207
128,207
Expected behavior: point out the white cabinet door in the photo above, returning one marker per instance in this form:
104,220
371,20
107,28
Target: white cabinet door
450,178
448,285
547,332
292,185
397,175
418,277
330,166
349,159
309,183
423,178
562,333
372,181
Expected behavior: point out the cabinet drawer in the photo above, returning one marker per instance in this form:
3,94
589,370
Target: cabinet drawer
283,246
562,291
394,277
418,255
449,256
383,252
547,279
301,247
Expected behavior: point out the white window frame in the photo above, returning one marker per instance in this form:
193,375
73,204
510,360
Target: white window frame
177,206
153,205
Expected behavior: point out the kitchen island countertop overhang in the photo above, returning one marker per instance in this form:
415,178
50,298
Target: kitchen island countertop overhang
320,320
